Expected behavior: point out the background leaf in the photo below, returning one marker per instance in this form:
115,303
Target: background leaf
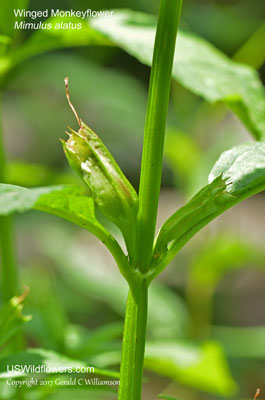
50,359
44,40
201,367
11,318
198,66
7,16
241,342
209,267
21,173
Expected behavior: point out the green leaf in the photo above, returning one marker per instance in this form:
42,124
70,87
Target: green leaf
221,255
11,318
51,360
183,163
49,316
26,174
165,397
237,175
7,15
5,40
241,342
198,66
209,265
44,40
242,167
168,316
21,173
201,367
189,219
83,343
68,202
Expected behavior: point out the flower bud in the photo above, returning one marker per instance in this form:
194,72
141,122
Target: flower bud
111,190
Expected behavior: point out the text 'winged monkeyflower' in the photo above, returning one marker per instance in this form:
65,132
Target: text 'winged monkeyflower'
111,190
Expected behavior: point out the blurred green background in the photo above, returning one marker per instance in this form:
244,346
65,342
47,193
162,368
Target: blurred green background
207,308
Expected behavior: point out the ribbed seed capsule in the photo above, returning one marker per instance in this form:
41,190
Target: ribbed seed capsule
111,190
89,157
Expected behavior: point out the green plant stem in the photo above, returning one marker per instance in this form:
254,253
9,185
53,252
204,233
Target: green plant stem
125,268
150,181
8,266
157,107
133,344
142,309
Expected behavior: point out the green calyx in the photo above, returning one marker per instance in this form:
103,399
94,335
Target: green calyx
111,190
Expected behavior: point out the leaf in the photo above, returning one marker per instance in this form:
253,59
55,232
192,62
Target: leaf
11,318
83,343
241,342
168,316
221,255
21,173
4,40
26,174
7,15
189,219
198,66
67,202
241,167
50,360
209,265
165,397
183,163
49,316
238,174
201,367
44,40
